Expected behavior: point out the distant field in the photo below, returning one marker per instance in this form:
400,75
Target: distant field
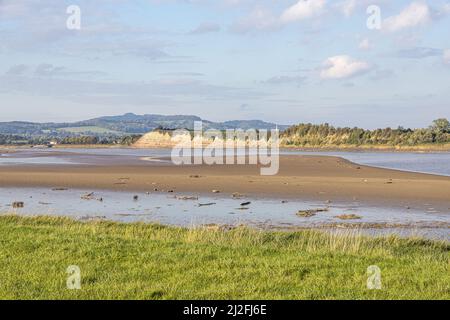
142,261
86,129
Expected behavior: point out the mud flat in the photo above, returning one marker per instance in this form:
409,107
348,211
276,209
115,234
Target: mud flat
301,177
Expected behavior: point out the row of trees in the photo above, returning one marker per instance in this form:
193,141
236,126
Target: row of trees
326,135
68,140
85,140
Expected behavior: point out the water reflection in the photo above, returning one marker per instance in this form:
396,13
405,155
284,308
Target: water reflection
197,209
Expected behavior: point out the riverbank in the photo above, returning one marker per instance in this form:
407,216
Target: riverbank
302,177
140,261
349,148
373,148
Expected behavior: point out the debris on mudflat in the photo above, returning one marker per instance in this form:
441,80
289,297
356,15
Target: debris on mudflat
306,214
136,198
237,195
243,204
348,217
88,196
215,191
91,196
310,213
60,189
194,176
187,197
170,191
206,204
18,204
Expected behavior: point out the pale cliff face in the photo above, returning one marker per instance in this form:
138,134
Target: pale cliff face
168,139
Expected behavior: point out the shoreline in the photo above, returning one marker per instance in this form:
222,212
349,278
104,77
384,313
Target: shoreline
343,148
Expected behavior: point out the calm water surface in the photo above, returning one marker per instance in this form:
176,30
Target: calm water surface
435,163
197,209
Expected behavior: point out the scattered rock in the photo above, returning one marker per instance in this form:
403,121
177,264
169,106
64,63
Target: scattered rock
135,197
18,204
170,191
60,189
245,204
284,201
348,217
215,191
310,213
195,176
306,214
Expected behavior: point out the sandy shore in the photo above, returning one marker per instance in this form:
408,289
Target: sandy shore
302,177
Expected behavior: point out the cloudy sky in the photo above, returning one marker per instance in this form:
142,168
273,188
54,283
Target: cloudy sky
285,61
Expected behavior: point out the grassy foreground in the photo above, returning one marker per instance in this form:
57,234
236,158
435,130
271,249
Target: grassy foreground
141,261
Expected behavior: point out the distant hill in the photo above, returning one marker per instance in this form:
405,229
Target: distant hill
128,123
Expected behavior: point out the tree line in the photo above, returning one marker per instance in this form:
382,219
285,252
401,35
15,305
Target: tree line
326,135
8,139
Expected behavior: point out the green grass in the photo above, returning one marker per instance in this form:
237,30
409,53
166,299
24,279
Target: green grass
141,261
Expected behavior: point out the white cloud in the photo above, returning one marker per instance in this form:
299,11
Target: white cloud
416,14
339,67
303,9
447,56
365,44
347,7
446,8
260,19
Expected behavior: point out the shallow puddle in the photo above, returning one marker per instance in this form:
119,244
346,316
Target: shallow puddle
197,209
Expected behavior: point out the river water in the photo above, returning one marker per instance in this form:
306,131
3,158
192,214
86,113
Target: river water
429,162
198,209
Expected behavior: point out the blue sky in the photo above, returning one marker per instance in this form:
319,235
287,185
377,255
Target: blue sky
284,61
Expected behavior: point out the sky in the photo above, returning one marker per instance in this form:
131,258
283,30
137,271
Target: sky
363,63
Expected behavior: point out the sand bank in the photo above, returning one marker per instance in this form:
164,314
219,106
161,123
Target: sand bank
302,177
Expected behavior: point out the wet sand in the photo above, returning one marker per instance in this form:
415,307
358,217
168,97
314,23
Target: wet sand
302,177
